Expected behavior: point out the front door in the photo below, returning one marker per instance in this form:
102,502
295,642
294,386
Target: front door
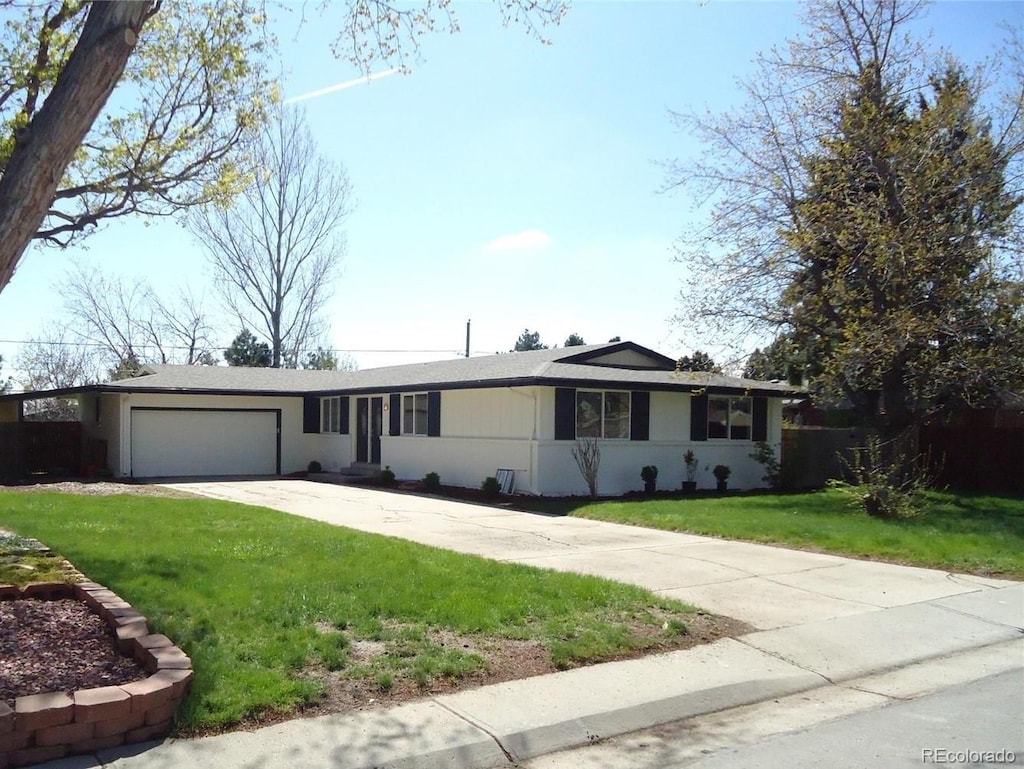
369,424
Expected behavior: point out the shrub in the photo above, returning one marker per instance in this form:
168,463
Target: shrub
764,455
587,454
490,487
649,473
431,481
314,467
721,473
387,476
887,481
690,460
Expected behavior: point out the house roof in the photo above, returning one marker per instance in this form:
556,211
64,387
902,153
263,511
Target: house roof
619,364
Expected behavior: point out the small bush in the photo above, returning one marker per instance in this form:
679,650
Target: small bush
721,473
431,481
887,480
315,467
387,476
764,455
490,487
649,473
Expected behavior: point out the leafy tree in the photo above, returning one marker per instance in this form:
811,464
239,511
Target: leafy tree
321,360
126,368
699,361
574,340
247,350
779,360
528,340
190,80
277,248
864,203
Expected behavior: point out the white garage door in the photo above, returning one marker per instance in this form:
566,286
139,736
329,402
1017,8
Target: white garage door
168,442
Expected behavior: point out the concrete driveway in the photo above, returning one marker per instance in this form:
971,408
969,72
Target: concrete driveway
768,587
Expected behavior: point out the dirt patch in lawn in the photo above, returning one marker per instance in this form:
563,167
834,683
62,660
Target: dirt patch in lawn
506,660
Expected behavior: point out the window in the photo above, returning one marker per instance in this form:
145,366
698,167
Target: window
602,414
414,414
730,418
330,415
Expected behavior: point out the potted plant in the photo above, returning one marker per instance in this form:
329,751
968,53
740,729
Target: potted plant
721,473
690,460
650,475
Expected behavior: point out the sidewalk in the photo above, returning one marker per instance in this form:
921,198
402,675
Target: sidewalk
822,620
496,726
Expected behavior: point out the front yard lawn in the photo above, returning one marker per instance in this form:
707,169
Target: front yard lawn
273,607
972,534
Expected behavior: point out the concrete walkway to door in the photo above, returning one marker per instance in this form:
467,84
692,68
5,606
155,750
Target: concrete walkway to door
768,587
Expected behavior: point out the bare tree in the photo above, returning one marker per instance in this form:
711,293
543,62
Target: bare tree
277,248
125,321
54,361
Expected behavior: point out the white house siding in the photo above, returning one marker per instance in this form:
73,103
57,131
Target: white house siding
499,412
297,448
334,451
626,358
670,417
482,430
459,461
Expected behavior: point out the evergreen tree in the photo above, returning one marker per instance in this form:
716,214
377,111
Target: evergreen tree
900,290
247,350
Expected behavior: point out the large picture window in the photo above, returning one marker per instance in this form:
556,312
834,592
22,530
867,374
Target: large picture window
330,415
602,414
414,414
730,417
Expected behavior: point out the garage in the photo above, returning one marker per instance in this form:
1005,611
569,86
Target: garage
183,442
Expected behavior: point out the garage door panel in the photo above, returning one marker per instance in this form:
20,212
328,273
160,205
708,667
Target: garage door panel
168,442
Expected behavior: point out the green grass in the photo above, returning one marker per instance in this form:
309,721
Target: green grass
257,598
973,534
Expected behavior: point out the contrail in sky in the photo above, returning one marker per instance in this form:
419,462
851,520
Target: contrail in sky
341,86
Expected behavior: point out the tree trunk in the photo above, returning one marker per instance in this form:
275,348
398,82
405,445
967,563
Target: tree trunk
47,145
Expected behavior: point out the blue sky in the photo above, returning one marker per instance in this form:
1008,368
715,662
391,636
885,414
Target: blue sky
504,181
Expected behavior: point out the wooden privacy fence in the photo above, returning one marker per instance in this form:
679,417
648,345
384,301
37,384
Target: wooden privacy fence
27,448
977,458
811,456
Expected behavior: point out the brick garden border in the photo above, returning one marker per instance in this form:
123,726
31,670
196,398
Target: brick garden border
44,727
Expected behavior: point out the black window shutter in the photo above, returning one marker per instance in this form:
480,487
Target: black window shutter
310,414
565,414
395,420
640,416
699,416
759,432
343,402
434,413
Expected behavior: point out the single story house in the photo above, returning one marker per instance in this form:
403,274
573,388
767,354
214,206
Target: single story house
464,419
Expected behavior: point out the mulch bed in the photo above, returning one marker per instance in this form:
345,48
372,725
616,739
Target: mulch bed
54,646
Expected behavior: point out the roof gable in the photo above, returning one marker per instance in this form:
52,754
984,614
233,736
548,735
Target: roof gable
622,355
